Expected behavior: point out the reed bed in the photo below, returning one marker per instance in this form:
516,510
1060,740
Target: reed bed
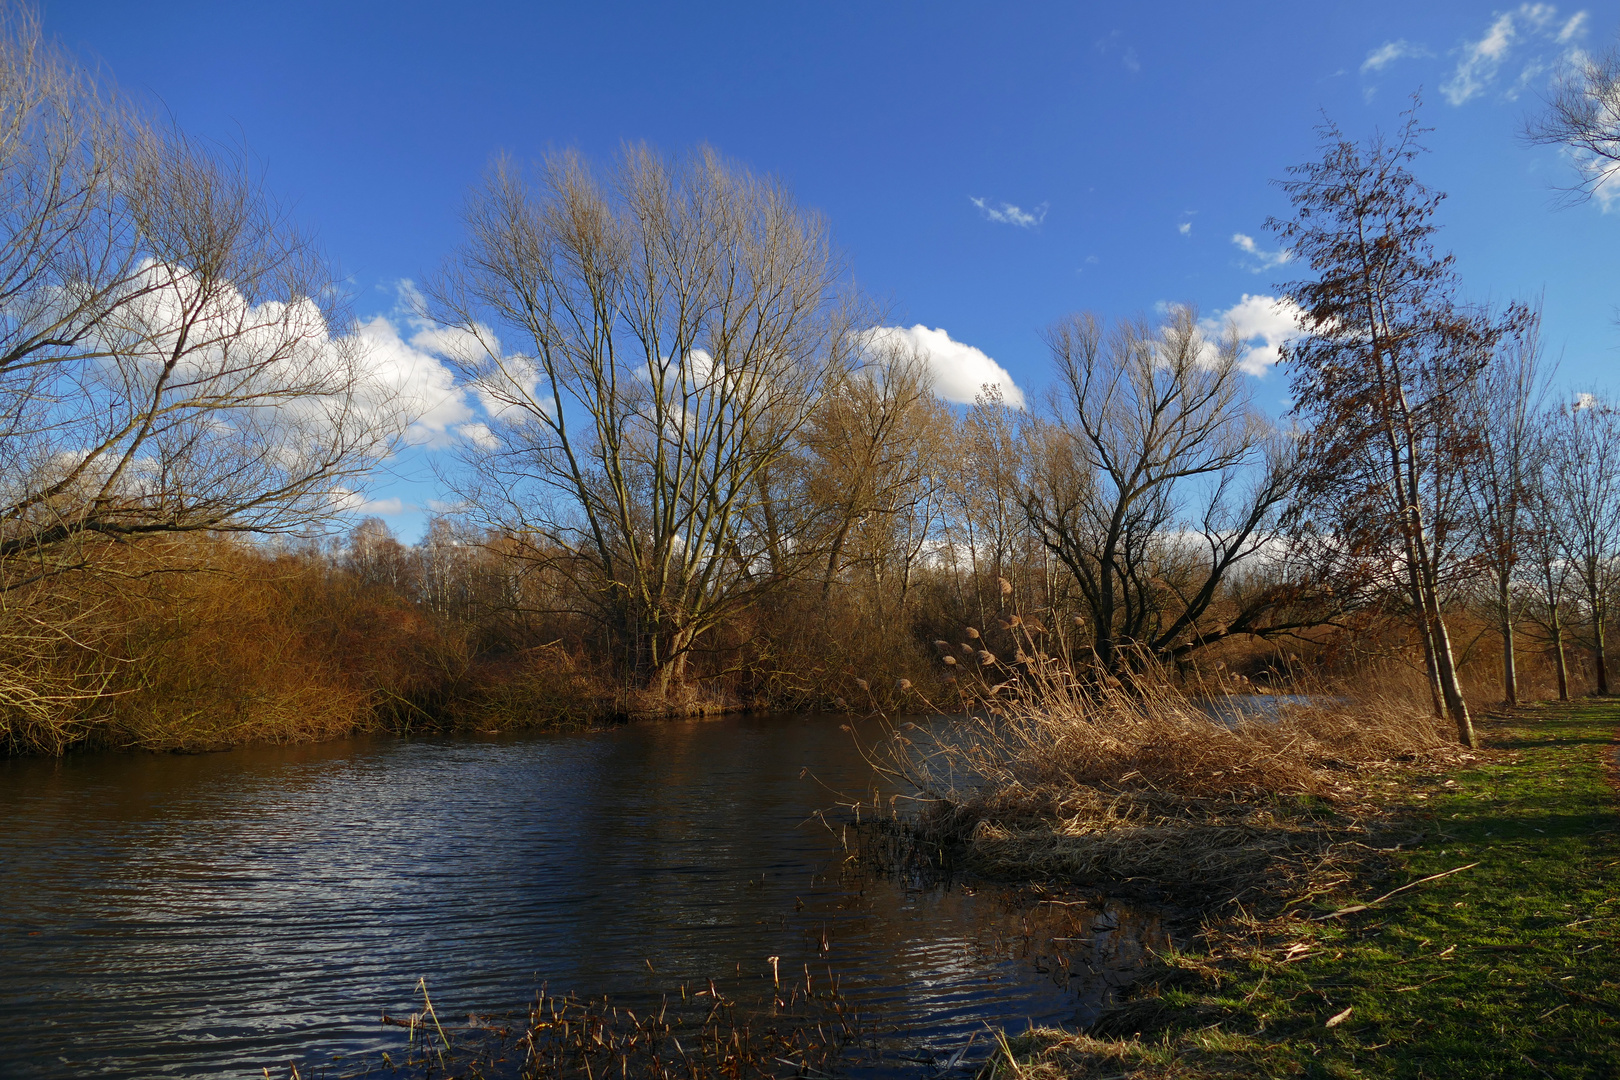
1201,796
800,1032
786,1025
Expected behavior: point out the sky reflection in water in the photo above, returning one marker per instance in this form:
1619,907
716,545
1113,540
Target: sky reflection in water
210,915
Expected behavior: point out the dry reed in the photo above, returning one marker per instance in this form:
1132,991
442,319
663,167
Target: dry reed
784,1026
1056,776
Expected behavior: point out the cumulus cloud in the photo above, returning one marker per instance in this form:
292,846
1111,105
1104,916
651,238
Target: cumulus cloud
1533,26
1607,188
1185,228
479,434
1008,214
416,382
384,507
1391,51
959,371
1263,260
1263,323
354,503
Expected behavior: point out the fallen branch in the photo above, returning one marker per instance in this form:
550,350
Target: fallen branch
1353,908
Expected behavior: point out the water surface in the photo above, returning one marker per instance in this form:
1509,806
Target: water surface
211,915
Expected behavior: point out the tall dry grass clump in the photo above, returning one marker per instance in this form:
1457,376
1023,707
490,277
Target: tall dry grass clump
1203,792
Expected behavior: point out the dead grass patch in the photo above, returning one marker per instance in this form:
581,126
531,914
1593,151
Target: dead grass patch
1198,800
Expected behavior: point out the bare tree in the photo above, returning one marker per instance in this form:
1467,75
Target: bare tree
876,438
1584,478
1147,423
1544,518
167,360
173,358
1381,375
674,325
1504,406
1583,115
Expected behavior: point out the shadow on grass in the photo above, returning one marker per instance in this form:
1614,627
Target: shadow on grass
1545,744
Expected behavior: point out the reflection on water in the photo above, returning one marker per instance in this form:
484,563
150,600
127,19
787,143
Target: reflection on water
1232,708
210,915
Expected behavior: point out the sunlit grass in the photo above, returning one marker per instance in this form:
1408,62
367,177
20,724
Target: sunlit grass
1505,969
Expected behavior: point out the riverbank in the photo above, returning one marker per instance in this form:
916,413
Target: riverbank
1476,939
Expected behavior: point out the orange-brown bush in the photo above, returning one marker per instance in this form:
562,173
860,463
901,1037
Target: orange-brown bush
204,642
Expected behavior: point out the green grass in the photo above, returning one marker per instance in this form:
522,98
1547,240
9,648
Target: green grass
1507,969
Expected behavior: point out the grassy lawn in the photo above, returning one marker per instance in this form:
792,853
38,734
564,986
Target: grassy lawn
1507,969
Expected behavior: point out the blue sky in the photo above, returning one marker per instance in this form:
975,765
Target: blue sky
987,168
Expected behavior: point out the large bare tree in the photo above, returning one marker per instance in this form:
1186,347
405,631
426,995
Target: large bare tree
649,340
173,359
1154,479
167,354
877,441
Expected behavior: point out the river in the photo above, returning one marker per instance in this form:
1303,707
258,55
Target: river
217,914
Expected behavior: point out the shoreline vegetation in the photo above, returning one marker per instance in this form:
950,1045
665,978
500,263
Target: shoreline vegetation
1451,914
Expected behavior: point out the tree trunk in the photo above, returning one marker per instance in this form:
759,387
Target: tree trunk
1600,655
1510,672
1456,704
1431,666
1560,664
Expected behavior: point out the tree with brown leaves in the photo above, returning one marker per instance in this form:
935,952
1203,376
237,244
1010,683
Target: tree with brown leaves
1380,377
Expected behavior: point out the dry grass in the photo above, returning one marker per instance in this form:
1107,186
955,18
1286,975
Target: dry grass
1048,778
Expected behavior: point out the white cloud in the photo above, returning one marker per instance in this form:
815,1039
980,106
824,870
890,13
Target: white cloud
1391,51
1184,228
1008,214
1481,61
1573,29
1264,260
479,434
959,371
1607,188
348,501
416,382
1115,42
1263,323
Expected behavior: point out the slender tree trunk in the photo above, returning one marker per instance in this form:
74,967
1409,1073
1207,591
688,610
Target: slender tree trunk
1600,654
1445,664
1510,673
1431,664
1445,667
1431,667
1456,704
1560,663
